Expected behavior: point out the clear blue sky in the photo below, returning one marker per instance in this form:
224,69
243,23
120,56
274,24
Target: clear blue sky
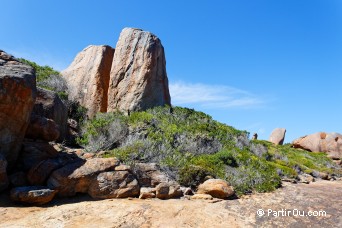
255,65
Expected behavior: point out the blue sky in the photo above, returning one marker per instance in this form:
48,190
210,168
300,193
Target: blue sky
255,65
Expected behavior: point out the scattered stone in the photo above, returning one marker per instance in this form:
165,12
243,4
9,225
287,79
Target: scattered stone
17,97
216,188
147,193
321,175
77,177
116,184
138,78
18,179
88,78
201,197
149,174
3,173
168,190
277,136
32,195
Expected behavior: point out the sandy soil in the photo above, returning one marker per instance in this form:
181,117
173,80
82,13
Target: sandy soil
81,211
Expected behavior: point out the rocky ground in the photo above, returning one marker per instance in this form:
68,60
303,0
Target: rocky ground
83,211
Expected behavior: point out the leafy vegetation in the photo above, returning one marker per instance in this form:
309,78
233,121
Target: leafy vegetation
42,72
191,146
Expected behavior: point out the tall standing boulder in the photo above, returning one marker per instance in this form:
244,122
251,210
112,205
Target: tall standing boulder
278,136
88,78
50,106
17,97
138,78
331,143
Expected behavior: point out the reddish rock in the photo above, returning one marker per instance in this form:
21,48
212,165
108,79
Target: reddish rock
277,136
216,188
138,78
331,143
77,176
39,173
116,184
49,105
35,152
149,174
17,97
88,78
18,179
42,128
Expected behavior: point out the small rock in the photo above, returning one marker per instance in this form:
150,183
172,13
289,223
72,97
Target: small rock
123,168
168,190
147,195
305,178
32,195
186,191
201,197
217,188
149,174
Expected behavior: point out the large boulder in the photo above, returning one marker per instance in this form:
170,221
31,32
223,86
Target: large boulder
17,97
41,128
277,136
115,184
77,177
3,173
36,195
49,105
138,78
39,173
216,188
88,78
35,152
149,174
331,143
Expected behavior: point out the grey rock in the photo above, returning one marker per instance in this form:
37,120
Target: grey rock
138,78
37,195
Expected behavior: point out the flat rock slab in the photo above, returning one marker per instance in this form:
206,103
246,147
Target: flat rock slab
83,211
32,195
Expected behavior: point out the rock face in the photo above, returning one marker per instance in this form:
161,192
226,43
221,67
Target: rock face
42,128
117,184
149,174
35,152
277,136
216,188
17,97
32,195
49,105
3,173
138,78
88,78
331,143
77,177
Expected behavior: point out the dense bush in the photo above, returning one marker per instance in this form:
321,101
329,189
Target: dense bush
42,72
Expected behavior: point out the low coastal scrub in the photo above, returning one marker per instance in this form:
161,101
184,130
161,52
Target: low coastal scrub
190,146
